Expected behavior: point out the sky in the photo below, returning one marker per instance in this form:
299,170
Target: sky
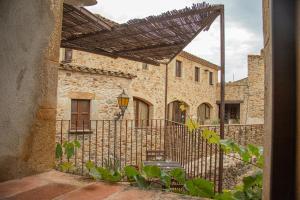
243,28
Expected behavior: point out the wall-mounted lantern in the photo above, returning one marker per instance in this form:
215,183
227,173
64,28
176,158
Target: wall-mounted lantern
123,101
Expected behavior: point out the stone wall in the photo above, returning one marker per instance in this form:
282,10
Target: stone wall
256,82
237,91
101,90
149,85
193,93
249,92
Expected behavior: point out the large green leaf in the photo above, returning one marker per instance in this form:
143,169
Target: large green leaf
226,195
211,136
165,179
141,181
94,172
200,187
130,172
151,171
107,175
192,125
58,151
260,161
239,195
178,174
254,150
246,156
254,179
69,150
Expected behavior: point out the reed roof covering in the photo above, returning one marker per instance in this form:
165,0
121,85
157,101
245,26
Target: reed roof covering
154,40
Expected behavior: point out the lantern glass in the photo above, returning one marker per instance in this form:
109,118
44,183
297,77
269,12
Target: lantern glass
123,101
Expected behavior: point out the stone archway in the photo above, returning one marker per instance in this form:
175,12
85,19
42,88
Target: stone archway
204,112
177,111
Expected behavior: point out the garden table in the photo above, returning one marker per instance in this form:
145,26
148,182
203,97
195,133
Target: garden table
165,165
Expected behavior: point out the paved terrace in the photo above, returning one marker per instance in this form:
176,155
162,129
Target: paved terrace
61,186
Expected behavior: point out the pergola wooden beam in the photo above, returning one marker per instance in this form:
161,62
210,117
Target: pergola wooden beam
154,39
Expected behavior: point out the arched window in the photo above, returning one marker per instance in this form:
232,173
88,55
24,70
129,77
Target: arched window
141,112
204,112
176,113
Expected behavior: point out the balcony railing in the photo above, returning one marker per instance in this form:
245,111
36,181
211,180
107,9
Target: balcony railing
124,142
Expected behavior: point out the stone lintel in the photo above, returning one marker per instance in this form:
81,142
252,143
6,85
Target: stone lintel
81,95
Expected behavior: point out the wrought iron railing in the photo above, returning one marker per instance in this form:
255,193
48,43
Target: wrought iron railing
157,139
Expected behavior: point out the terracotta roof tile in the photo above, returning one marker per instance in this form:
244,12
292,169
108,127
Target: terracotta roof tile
198,60
84,69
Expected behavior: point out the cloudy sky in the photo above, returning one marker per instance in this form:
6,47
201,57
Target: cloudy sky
243,28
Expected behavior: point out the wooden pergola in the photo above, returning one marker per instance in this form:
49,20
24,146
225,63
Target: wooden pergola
155,39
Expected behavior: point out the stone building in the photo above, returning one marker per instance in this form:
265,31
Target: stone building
92,83
244,99
95,80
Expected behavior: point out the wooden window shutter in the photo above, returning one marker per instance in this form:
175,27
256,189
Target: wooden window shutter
178,68
197,74
80,114
211,82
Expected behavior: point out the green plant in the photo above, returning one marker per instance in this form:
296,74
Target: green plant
110,172
200,187
251,188
68,149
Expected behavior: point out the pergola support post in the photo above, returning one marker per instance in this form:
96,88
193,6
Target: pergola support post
222,104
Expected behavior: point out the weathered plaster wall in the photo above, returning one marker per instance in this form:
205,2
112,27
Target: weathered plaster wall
29,52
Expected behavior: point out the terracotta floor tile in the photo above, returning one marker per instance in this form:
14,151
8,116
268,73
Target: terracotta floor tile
10,188
134,194
46,192
96,191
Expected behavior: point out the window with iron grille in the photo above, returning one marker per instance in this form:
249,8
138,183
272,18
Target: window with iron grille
80,114
178,68
211,78
197,74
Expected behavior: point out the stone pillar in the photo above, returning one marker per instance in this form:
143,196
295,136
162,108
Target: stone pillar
29,55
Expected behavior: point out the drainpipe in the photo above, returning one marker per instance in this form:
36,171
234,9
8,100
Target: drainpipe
166,93
166,142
